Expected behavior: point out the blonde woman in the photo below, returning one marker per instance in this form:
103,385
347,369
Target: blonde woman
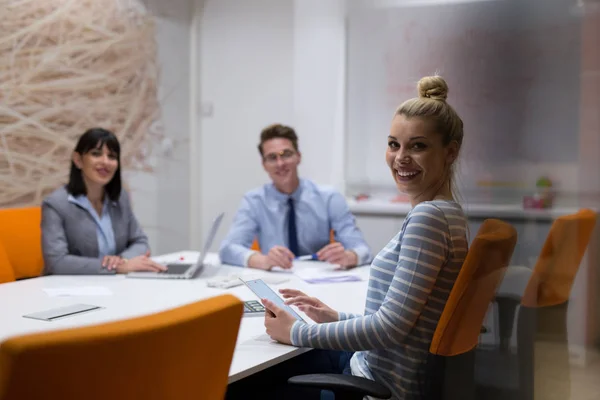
410,279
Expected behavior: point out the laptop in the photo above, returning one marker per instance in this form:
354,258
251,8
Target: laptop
184,270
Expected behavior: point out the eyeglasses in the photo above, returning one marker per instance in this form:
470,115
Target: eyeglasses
285,155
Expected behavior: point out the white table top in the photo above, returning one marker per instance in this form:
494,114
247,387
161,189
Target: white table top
254,351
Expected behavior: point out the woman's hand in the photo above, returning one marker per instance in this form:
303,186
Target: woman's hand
112,262
278,322
140,263
311,306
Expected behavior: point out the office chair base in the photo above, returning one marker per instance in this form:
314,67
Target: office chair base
345,387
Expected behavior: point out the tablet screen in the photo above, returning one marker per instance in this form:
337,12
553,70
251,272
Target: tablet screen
263,291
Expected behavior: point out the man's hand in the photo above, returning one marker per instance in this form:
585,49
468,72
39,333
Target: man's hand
278,256
335,253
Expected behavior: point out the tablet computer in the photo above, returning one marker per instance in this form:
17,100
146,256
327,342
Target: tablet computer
263,291
62,312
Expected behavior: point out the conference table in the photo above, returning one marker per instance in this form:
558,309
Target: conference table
121,297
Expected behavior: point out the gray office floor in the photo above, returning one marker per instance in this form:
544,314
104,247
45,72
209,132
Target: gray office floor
585,381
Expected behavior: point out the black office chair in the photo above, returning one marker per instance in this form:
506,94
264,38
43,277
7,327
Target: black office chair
344,387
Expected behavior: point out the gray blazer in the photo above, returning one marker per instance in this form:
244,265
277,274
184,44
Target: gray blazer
69,238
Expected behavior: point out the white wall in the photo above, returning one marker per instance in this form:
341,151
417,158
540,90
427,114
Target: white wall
261,62
161,198
246,53
254,63
319,88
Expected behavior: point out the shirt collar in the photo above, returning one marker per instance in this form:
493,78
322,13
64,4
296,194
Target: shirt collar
284,197
83,201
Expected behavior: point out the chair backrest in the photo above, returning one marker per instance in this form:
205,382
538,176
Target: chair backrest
183,353
21,234
555,270
6,270
484,267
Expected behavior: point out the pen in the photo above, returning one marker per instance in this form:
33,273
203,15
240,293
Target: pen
307,257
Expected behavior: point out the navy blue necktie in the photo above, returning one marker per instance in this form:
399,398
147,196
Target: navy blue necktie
292,235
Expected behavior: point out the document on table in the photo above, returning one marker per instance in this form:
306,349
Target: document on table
72,291
323,272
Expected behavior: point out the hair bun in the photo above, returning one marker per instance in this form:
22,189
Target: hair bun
433,87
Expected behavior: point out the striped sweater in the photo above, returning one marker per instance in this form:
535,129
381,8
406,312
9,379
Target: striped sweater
410,281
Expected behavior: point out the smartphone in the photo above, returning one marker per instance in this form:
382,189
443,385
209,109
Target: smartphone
56,313
263,291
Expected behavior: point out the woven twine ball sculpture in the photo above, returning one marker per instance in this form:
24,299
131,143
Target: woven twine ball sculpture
67,66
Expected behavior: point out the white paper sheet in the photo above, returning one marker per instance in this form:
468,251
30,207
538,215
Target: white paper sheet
323,272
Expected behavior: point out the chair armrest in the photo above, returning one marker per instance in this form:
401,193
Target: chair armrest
343,383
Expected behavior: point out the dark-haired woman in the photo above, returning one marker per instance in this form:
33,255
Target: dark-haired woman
88,226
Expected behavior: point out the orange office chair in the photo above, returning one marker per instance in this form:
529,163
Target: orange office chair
20,232
452,355
6,271
542,314
183,353
449,370
559,261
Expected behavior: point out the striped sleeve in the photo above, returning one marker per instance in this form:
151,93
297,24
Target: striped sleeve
424,250
344,316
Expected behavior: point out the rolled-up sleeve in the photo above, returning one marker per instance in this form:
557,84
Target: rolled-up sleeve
347,233
235,248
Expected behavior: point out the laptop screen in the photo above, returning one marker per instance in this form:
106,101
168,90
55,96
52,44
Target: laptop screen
209,239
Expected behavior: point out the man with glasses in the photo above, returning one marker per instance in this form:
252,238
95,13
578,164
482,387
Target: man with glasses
291,217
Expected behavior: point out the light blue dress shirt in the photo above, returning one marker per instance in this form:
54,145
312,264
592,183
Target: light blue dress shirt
104,229
263,215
